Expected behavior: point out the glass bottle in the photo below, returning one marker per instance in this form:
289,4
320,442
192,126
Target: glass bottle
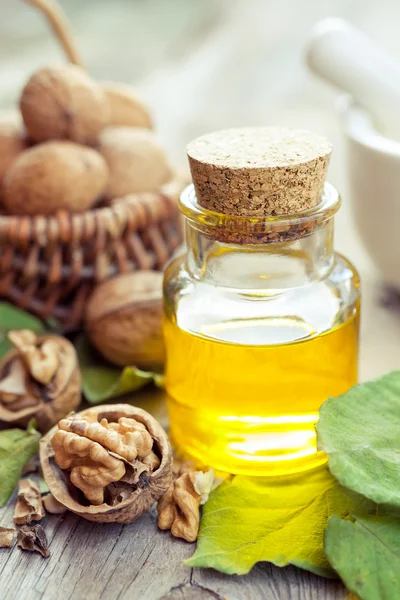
261,326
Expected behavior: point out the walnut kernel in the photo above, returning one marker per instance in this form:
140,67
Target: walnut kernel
179,508
108,463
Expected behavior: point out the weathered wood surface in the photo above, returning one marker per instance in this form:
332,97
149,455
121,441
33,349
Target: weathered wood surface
202,65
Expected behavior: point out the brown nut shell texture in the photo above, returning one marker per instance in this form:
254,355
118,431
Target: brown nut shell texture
108,463
136,161
29,505
13,139
125,107
124,319
33,539
54,176
63,102
39,379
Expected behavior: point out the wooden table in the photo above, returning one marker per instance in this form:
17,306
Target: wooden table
202,66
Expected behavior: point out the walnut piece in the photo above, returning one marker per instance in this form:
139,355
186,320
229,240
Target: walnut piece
179,508
7,537
33,539
117,456
29,505
41,360
39,379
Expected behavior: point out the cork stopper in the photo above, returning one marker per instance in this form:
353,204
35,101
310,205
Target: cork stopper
259,172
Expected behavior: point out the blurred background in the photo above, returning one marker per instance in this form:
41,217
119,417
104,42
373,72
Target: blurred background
209,64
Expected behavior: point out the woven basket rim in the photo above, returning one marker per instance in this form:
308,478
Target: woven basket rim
139,210
163,191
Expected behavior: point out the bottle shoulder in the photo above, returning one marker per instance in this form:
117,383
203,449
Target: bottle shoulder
177,278
194,303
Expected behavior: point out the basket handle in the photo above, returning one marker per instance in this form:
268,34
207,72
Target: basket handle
60,26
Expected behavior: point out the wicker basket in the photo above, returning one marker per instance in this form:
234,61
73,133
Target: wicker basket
49,265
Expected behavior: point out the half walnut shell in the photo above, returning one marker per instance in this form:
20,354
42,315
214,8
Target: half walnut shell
138,496
40,379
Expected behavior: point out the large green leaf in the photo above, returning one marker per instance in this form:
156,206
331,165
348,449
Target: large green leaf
16,448
360,431
280,520
15,318
101,381
366,555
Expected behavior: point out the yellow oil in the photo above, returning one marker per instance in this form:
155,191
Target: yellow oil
242,407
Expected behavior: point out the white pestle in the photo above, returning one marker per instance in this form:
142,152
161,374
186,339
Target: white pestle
346,57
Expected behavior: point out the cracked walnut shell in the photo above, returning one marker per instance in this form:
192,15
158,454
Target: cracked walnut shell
108,463
40,379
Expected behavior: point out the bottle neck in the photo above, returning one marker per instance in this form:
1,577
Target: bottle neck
258,267
267,254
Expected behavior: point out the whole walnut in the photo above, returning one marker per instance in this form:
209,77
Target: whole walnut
13,139
40,379
108,463
53,176
123,319
136,161
125,107
63,102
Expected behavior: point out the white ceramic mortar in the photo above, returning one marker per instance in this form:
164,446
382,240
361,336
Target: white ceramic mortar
373,168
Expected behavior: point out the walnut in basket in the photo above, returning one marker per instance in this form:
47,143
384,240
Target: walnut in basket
108,463
123,319
63,102
39,379
125,107
54,176
13,139
136,161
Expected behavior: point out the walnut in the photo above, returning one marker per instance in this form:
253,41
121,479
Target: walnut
124,319
29,505
54,176
94,465
39,379
136,161
179,508
125,107
108,463
63,102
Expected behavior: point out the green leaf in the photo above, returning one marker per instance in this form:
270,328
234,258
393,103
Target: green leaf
280,520
16,448
101,381
15,318
360,431
366,555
